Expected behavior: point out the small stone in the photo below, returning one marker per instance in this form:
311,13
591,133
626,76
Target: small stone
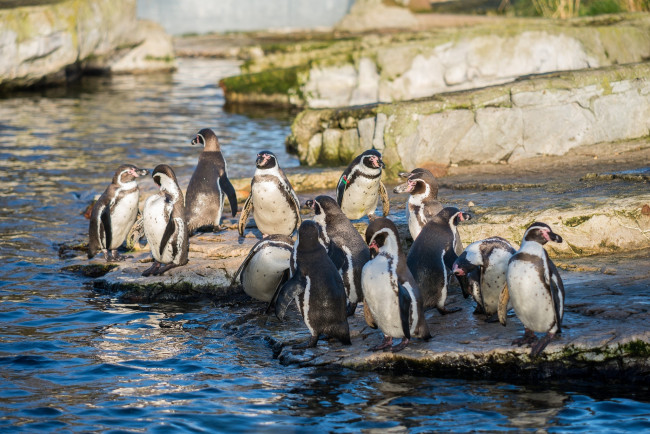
470,203
608,270
645,209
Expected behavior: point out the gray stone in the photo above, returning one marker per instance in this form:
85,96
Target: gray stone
380,126
331,144
349,146
366,129
314,149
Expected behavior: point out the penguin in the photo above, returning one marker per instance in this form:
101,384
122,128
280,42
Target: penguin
423,203
209,186
432,256
391,294
275,205
484,265
114,213
360,186
266,267
317,288
535,288
346,247
164,223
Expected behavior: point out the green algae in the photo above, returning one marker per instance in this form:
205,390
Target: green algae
576,221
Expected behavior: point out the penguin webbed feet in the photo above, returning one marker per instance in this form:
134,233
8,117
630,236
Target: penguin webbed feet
387,343
446,311
527,339
160,271
311,343
541,344
154,267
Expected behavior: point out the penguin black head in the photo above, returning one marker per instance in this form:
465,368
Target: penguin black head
324,205
208,139
453,215
164,176
127,173
417,182
372,159
541,233
308,234
266,160
382,234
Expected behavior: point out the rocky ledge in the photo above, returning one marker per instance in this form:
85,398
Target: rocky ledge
605,331
51,42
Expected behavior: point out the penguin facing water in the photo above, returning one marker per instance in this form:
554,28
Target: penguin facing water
345,245
360,187
390,291
482,269
209,186
274,204
535,288
316,287
114,213
432,256
164,223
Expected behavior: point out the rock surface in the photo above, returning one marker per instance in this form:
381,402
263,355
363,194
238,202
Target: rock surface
604,331
354,70
55,42
541,115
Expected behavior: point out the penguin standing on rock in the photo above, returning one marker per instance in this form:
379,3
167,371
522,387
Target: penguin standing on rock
266,267
390,291
345,245
274,204
360,186
482,269
317,288
164,223
432,256
422,204
535,288
114,213
209,186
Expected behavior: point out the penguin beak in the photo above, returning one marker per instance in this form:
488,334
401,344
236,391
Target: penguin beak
261,159
381,163
465,216
402,188
552,236
309,203
457,270
404,175
142,172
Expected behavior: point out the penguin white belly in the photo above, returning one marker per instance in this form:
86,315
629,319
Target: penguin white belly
381,297
264,271
361,198
413,208
530,299
494,279
272,212
123,216
154,227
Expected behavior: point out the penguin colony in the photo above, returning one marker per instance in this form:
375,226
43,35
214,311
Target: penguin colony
329,268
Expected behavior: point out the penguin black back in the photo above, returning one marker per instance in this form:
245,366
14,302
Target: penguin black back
317,288
432,256
209,185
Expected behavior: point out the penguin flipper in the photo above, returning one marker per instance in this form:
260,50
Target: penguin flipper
135,233
287,293
404,300
384,198
284,279
341,186
251,253
367,315
246,210
503,305
557,294
226,187
169,231
105,218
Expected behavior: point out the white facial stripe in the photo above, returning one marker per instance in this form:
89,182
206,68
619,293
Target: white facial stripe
305,305
390,243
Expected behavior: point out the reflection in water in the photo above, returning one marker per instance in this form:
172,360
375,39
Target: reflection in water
74,360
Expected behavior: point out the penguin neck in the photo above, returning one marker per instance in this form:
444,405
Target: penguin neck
172,193
321,220
271,171
391,247
532,247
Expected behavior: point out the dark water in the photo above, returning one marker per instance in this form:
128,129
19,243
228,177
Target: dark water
72,359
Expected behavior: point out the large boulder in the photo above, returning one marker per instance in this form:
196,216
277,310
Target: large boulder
54,42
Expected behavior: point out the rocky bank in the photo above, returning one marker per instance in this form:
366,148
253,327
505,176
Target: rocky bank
605,333
51,42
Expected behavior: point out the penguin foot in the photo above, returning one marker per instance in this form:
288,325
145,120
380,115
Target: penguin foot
541,344
311,343
151,269
161,270
445,311
388,341
479,310
528,338
400,346
492,318
116,257
351,308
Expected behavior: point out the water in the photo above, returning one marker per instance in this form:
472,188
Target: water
72,359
